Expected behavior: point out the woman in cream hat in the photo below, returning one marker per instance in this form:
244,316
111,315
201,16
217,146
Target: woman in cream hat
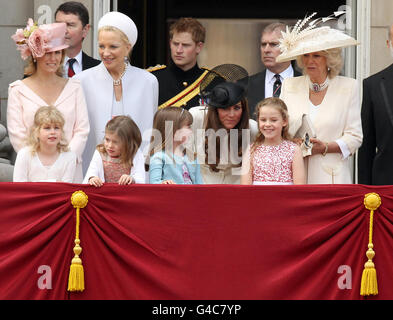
329,101
43,48
115,87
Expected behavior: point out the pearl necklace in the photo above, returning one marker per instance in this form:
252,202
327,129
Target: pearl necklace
118,81
316,87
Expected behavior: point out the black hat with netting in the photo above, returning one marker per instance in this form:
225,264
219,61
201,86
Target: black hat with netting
224,85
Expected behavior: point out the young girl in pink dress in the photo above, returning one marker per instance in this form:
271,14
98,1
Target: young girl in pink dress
118,159
273,158
46,158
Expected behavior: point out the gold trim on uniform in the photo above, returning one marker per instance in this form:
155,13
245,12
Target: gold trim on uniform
186,95
156,67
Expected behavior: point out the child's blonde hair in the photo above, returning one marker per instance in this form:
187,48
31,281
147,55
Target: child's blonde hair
129,134
280,106
43,116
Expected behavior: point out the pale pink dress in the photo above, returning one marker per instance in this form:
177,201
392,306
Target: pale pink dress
23,103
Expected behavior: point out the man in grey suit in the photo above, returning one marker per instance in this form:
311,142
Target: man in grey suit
268,82
375,156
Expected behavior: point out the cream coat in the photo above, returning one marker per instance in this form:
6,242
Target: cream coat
23,104
140,100
227,173
338,118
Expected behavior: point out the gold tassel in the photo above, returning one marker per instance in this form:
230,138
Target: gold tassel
76,278
369,285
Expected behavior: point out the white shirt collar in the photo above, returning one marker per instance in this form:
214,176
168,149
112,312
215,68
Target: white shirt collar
77,66
287,73
78,58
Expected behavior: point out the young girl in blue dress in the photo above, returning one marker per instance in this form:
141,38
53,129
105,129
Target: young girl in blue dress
171,162
273,158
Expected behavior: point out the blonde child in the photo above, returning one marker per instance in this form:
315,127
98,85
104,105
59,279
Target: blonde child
46,156
118,159
273,158
170,161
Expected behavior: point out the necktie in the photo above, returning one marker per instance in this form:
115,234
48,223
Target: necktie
71,71
277,86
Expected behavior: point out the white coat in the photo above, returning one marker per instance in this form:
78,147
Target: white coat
338,118
140,100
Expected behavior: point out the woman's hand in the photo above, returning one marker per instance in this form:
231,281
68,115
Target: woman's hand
95,181
168,182
298,141
125,179
318,146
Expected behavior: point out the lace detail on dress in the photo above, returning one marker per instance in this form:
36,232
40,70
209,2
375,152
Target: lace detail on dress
273,163
113,169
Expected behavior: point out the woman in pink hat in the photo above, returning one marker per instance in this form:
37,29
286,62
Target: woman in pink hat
43,48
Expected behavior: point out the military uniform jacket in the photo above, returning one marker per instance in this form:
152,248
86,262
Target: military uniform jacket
173,81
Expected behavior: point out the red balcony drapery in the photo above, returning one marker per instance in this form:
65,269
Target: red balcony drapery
194,242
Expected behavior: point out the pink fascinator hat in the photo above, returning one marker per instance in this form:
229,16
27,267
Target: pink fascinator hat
36,40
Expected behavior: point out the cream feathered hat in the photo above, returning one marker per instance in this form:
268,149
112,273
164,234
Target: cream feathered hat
122,22
305,37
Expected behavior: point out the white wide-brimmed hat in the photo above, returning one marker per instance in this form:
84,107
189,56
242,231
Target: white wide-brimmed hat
122,22
306,38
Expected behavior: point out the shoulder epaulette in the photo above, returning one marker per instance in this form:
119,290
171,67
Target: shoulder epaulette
157,67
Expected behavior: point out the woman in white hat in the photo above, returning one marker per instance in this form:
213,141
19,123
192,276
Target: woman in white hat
115,87
43,47
329,101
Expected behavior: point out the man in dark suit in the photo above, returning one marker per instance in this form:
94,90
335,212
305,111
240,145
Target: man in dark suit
375,157
268,82
76,16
